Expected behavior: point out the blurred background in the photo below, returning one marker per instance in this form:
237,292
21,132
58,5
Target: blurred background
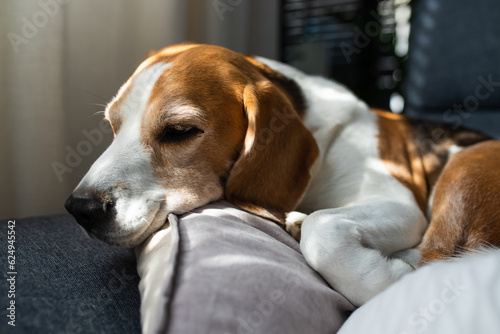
62,60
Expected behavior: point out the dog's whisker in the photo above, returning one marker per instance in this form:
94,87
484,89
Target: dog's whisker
96,95
98,104
100,112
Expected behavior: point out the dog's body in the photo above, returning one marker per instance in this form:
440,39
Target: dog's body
198,123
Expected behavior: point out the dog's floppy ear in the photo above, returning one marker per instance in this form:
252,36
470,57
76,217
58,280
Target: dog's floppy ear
273,170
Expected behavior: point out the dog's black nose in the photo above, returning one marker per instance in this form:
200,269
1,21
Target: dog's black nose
89,208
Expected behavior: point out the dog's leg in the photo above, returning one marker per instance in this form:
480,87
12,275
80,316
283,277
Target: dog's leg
465,209
359,249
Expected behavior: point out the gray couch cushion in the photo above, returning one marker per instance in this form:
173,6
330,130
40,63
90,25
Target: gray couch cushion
453,70
238,273
231,272
68,283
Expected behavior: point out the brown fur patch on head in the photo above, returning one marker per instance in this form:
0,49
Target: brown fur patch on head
235,106
199,89
113,111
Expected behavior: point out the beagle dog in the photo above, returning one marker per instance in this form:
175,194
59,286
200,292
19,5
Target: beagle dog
380,194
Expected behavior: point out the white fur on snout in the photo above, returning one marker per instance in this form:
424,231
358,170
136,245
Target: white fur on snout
125,172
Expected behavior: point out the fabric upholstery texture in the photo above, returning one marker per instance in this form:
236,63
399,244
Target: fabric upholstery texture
460,297
232,272
453,72
239,273
68,283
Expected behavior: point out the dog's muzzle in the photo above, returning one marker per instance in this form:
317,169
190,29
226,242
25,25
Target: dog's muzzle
91,209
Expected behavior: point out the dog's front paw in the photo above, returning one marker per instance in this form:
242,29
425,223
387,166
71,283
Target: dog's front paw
293,223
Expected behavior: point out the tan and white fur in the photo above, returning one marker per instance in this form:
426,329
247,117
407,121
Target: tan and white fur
198,123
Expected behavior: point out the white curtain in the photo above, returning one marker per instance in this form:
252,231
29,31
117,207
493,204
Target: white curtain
61,59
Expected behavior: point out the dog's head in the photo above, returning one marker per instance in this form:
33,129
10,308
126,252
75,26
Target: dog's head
195,124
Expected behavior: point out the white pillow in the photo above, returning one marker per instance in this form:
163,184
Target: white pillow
461,296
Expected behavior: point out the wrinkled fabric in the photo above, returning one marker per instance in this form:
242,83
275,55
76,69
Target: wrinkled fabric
237,273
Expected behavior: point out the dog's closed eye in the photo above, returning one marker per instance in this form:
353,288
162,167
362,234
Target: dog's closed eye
178,133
